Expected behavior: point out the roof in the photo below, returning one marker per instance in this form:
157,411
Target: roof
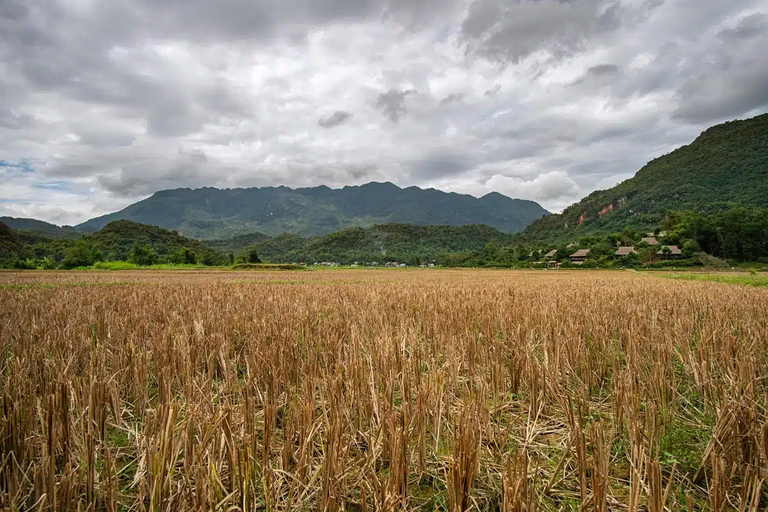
651,241
581,253
625,251
673,249
572,244
551,253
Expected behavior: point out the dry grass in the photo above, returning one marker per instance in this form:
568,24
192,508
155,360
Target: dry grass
375,390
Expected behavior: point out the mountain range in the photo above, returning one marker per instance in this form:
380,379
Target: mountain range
722,175
211,213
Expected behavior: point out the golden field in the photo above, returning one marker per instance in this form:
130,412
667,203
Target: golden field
381,390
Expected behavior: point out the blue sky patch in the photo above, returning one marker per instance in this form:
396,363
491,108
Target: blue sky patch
53,185
23,165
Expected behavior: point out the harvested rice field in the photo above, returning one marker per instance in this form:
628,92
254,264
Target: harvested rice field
367,390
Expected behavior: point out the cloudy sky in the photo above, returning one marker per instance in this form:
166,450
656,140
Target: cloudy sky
103,102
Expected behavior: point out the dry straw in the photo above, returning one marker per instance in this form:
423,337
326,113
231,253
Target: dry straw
370,390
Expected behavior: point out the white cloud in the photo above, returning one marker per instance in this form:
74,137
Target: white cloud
548,187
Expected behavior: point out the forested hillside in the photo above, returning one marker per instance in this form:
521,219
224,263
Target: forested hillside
725,167
118,241
41,227
404,243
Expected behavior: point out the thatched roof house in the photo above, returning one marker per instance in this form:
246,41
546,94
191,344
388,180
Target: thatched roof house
579,256
625,251
651,241
674,252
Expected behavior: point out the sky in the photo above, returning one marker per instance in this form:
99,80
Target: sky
104,102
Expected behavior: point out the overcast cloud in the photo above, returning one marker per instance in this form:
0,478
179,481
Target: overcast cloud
104,102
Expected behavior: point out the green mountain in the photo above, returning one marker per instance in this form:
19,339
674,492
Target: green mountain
210,213
726,164
118,239
383,243
41,227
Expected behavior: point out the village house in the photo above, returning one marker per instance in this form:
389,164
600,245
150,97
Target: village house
572,245
550,254
651,241
579,256
674,252
625,251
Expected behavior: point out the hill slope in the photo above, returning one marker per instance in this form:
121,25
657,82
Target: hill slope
10,245
236,244
382,243
41,227
210,213
117,239
726,164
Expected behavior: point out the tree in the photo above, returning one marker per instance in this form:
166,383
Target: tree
231,259
690,248
143,255
81,255
187,256
630,260
253,256
48,263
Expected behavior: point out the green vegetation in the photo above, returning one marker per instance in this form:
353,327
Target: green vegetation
718,240
413,245
120,239
742,279
123,243
39,227
236,244
726,165
210,213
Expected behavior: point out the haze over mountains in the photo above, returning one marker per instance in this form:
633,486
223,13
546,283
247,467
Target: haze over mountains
210,213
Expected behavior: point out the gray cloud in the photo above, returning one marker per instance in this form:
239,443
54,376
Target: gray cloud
603,69
452,98
12,10
15,121
392,104
748,27
513,30
543,99
597,74
142,178
709,98
336,119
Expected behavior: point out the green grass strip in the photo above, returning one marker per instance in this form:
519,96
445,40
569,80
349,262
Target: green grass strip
743,280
